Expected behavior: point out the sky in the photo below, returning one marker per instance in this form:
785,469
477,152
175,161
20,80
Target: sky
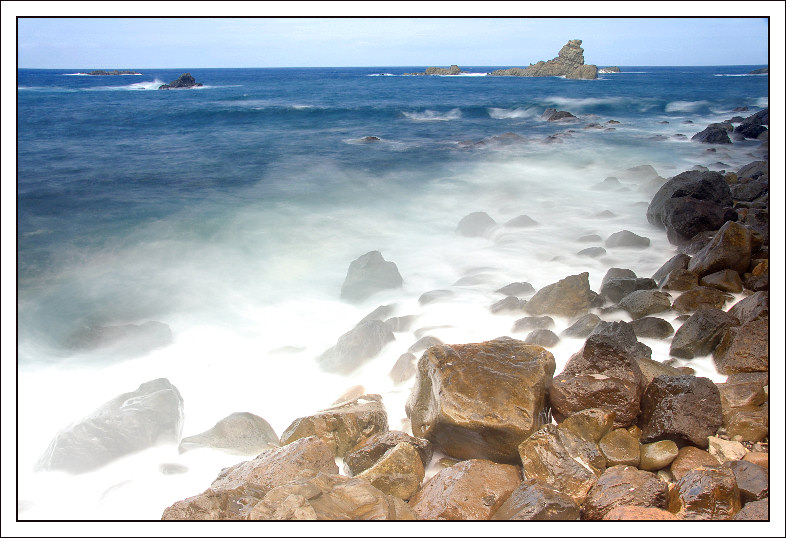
274,41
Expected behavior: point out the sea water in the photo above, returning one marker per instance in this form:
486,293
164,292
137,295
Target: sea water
231,213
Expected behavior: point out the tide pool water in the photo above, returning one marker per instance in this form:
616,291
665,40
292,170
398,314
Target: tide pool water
231,213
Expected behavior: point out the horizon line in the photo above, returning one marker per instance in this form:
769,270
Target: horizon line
396,66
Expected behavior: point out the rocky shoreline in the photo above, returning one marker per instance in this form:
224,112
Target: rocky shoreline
618,434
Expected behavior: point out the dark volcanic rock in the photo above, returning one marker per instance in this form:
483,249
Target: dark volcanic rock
133,421
183,81
356,347
569,63
700,297
650,327
679,261
754,511
582,327
552,114
533,322
369,274
753,307
708,493
480,400
744,349
642,303
753,481
730,248
617,288
684,409
542,337
681,280
622,485
699,335
239,433
535,501
726,280
753,126
715,133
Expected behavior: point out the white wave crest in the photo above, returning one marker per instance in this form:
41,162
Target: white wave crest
431,115
512,113
583,101
143,85
685,106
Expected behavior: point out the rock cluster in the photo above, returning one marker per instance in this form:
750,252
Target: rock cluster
569,63
101,72
183,81
452,70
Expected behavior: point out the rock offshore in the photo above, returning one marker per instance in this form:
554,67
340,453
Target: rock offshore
369,274
569,63
241,433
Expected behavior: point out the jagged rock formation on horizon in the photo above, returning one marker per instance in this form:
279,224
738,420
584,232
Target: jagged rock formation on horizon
452,70
101,72
613,69
183,81
569,64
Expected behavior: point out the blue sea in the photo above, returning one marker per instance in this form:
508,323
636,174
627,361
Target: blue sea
231,212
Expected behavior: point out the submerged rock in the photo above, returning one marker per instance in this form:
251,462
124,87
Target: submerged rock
569,297
123,340
239,433
356,347
369,274
477,224
130,422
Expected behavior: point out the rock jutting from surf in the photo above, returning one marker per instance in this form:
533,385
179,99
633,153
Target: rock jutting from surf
569,63
186,80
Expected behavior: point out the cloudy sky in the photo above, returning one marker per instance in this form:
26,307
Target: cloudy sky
274,41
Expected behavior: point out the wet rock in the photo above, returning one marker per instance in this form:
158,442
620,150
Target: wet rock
747,423
680,280
517,289
730,248
741,390
692,300
701,333
714,133
620,447
725,280
341,426
762,459
425,343
477,224
753,481
748,192
592,252
744,349
602,374
239,433
582,327
591,238
643,303
238,488
684,409
128,423
434,296
689,458
329,497
709,493
569,297
380,313
552,114
542,337
650,369
679,261
657,455
590,424
726,450
480,400
623,485
617,288
651,327
626,238
469,490
522,221
753,307
372,449
754,511
534,501
508,304
562,460
369,274
399,472
404,369
186,80
753,125
356,347
639,513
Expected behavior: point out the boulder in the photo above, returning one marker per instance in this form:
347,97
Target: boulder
681,280
131,422
620,447
424,343
480,400
542,337
651,327
477,224
762,459
238,488
753,126
371,450
650,369
714,133
708,493
638,513
322,496
569,63
726,280
753,307
522,221
726,450
434,296
616,288
508,304
747,423
239,433
754,170
356,347
582,327
516,289
469,490
748,192
642,303
753,481
562,460
569,297
623,485
369,274
700,297
552,114
684,409
754,511
404,369
744,349
657,455
592,252
701,332
730,248
183,81
399,472
626,238
740,390
590,424
341,427
689,458
679,261
535,501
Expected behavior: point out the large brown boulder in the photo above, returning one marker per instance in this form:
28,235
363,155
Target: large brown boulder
399,472
369,451
754,511
563,460
470,490
684,409
238,488
639,513
480,400
752,480
329,497
706,493
747,423
641,303
752,307
620,447
693,299
569,297
535,501
744,349
341,426
701,332
689,458
623,485
730,248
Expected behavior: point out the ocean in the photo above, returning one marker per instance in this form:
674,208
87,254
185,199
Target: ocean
232,211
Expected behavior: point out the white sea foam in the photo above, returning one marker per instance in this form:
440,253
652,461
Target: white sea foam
514,113
685,106
432,115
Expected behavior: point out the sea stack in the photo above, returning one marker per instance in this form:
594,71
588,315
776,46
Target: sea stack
183,81
569,63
